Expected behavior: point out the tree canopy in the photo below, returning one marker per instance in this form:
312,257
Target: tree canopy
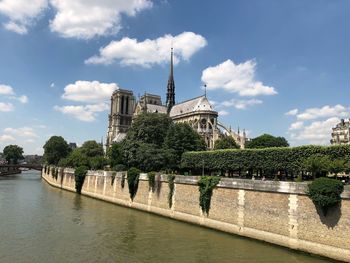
226,142
13,153
267,141
55,149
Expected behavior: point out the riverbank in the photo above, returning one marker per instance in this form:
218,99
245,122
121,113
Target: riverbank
275,212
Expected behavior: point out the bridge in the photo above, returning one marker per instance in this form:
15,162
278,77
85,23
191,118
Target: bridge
7,169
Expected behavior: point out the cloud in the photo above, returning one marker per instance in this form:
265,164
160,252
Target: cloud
6,107
296,125
318,132
326,111
23,99
223,113
21,13
6,138
6,90
149,52
52,85
25,132
86,113
292,112
89,91
87,19
240,104
236,78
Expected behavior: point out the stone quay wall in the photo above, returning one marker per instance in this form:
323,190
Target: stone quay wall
275,212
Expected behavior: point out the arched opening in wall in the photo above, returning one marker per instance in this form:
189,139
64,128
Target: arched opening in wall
122,105
210,126
127,106
203,124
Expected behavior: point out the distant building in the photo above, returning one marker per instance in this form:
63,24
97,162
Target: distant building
197,112
341,133
72,145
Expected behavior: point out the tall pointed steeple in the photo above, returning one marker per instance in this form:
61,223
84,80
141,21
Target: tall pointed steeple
170,95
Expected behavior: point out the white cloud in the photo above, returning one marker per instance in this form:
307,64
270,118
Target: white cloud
21,13
86,19
149,52
6,138
236,78
25,132
52,85
223,113
23,99
292,112
326,111
318,132
6,107
296,125
89,91
86,113
6,90
240,104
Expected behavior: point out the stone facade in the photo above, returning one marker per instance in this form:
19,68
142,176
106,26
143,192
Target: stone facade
275,212
341,133
197,112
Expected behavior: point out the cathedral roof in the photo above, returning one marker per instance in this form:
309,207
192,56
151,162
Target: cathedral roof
190,106
156,108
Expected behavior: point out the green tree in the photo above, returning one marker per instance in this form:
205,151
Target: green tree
317,165
337,166
92,149
181,138
13,153
226,142
149,128
55,148
266,141
115,154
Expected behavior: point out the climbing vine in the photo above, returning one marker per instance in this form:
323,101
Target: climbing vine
79,175
113,177
206,185
122,182
325,193
171,182
133,181
45,169
151,181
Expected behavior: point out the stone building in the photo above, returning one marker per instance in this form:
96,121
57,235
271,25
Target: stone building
197,112
341,133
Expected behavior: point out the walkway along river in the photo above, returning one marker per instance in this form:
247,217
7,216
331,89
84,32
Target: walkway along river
40,223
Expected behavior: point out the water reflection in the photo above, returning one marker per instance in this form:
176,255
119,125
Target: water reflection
40,223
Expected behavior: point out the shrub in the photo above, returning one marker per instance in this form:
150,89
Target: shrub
122,182
113,177
206,185
120,168
152,181
133,181
268,159
171,183
79,174
325,193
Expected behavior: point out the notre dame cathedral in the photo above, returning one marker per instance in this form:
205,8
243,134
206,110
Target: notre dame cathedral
197,112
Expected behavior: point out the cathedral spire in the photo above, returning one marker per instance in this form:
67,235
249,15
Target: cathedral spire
170,95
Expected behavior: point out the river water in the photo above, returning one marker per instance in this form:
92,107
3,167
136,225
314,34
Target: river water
39,223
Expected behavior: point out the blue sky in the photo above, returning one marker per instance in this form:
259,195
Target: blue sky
278,67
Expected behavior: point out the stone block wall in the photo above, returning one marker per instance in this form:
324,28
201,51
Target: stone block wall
276,212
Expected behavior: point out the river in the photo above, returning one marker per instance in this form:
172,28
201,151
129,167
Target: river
39,223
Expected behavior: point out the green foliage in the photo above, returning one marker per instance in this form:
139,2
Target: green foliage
290,159
55,149
206,185
90,154
133,181
181,138
226,142
120,168
79,174
54,172
115,154
122,182
337,166
171,183
13,153
266,141
325,193
317,165
150,128
45,169
152,181
113,177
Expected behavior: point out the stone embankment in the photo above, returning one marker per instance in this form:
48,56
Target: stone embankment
275,212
